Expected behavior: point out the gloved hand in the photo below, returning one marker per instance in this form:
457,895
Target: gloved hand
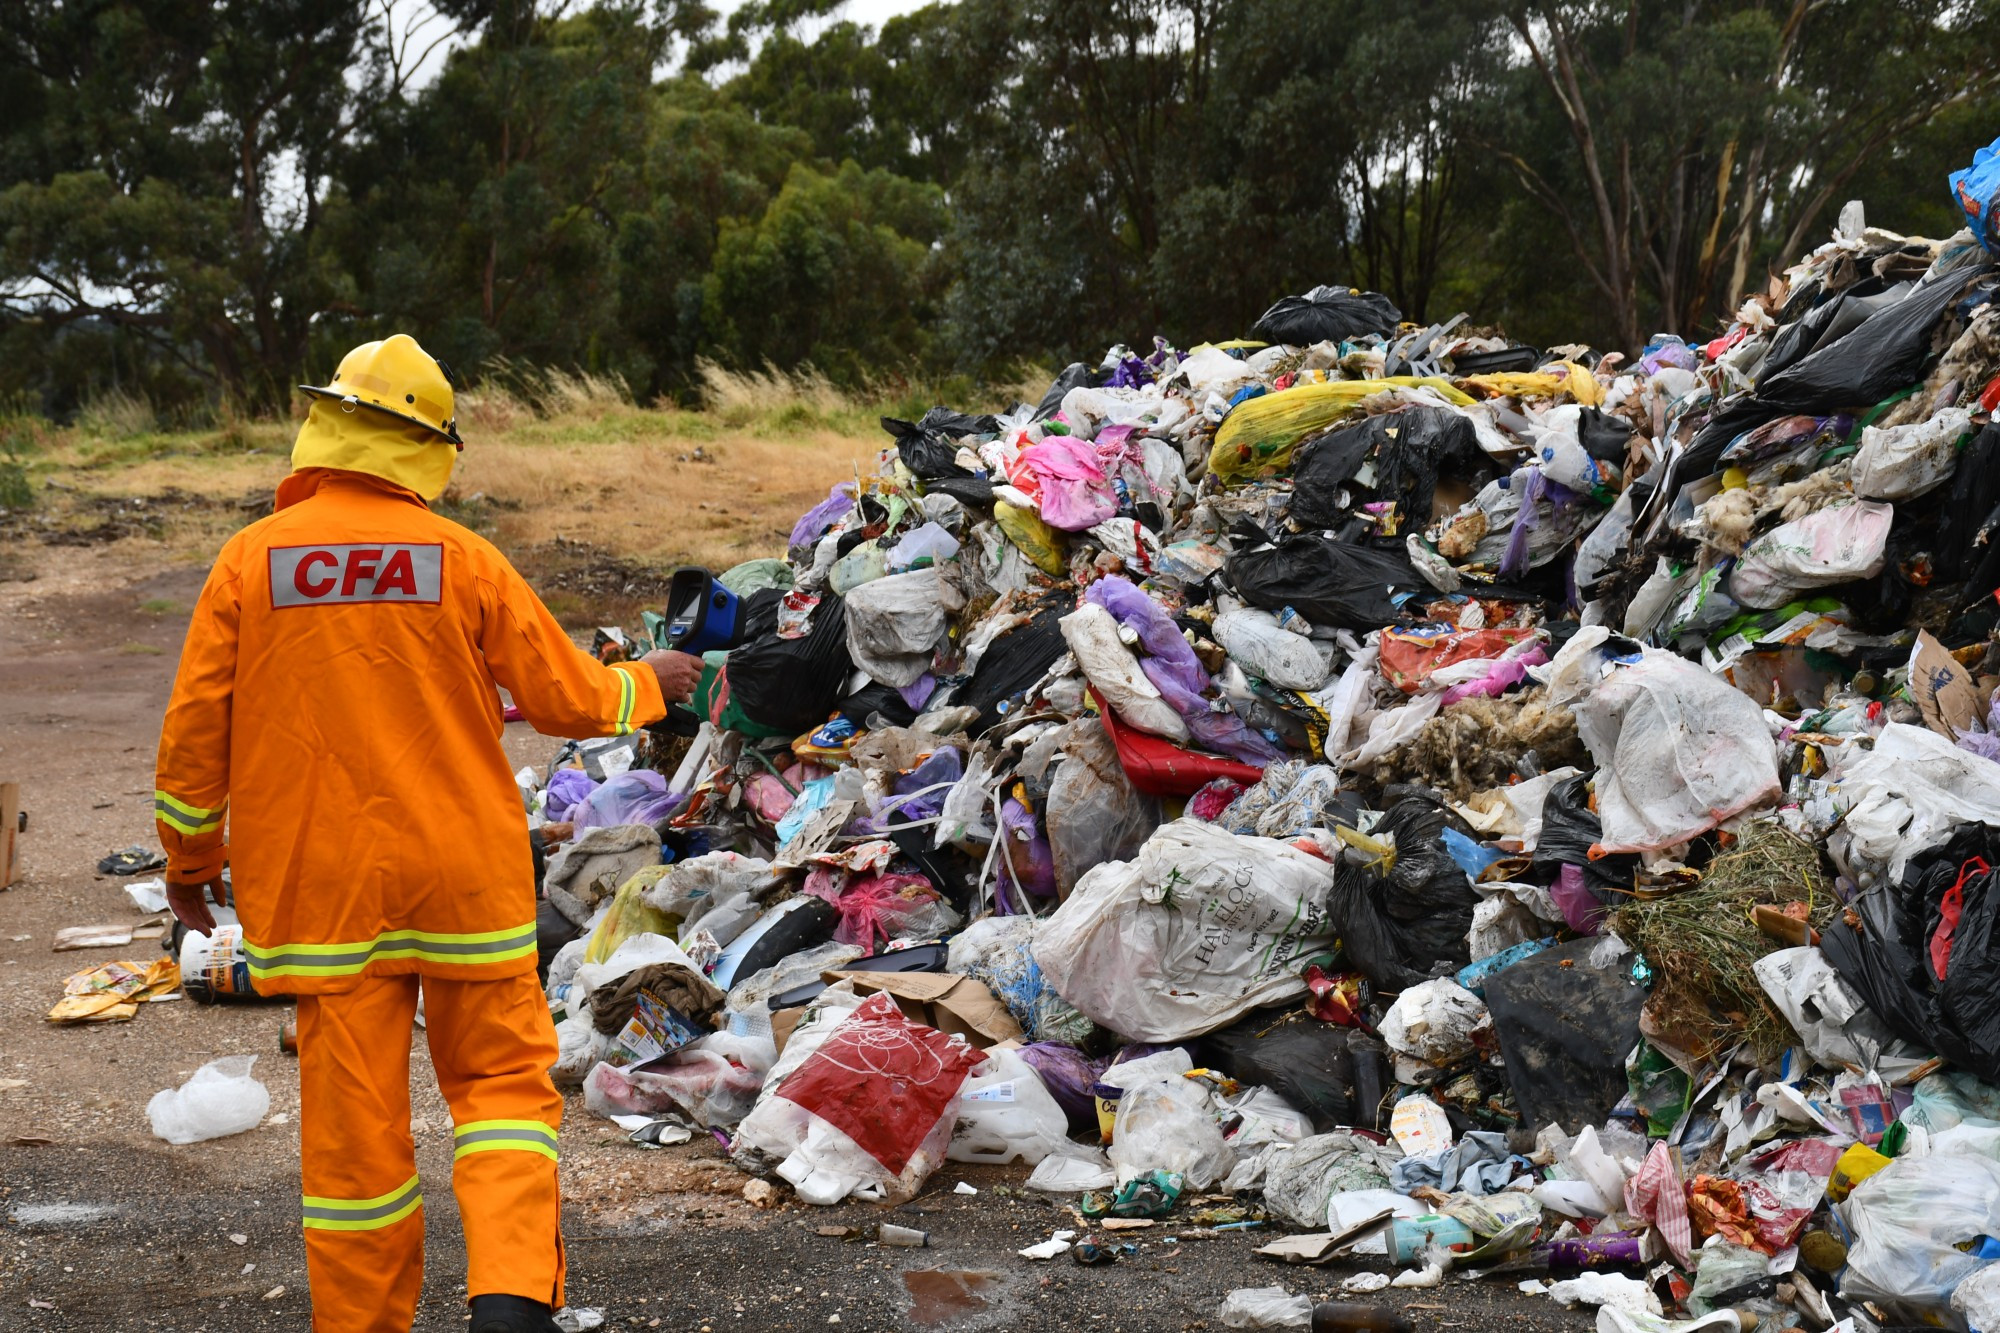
679,673
189,907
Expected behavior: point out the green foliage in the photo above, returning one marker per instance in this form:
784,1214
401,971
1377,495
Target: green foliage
201,204
833,274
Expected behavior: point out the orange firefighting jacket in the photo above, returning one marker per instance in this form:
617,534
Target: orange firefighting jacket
336,706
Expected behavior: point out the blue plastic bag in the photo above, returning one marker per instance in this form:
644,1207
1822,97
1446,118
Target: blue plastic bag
1977,189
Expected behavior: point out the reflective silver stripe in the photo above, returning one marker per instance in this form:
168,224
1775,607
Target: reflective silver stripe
428,945
518,1135
322,1213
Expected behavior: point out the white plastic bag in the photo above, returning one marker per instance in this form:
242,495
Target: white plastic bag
219,1099
1977,1299
1678,749
1908,793
1302,1181
1266,649
1200,928
1092,634
1169,1126
1836,545
1901,462
1005,1114
1265,1307
715,1081
1073,1168
1907,1221
862,1101
895,624
1837,1028
1433,1022
1094,814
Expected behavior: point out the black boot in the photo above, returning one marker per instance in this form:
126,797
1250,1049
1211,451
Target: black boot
511,1314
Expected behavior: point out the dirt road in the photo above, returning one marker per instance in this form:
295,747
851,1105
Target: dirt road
104,1227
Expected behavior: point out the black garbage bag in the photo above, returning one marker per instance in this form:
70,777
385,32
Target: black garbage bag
1883,353
792,685
1966,549
1409,925
1338,584
1569,828
1325,464
1420,445
1327,314
1075,375
1603,436
1012,663
1565,1029
1923,958
1295,1055
1411,448
929,447
874,698
965,490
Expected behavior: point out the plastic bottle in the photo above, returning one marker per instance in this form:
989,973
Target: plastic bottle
1340,1316
1005,1114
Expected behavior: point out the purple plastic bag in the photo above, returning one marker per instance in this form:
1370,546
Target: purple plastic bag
567,788
636,797
813,525
1026,852
1177,674
943,766
1068,1074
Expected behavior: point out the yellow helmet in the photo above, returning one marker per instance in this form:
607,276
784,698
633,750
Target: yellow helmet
400,378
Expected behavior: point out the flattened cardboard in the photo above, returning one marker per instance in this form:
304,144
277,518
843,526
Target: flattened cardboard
944,1000
1943,689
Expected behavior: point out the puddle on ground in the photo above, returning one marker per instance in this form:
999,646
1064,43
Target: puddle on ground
58,1214
938,1296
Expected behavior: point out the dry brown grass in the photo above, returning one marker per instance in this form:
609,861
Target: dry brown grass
576,469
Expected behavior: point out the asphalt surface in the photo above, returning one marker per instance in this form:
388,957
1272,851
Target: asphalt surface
104,1227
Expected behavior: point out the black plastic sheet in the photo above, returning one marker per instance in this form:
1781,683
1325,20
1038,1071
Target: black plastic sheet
1565,1029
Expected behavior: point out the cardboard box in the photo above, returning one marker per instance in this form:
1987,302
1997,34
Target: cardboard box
10,833
943,1000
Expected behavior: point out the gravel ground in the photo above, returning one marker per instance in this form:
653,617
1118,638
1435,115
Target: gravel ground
104,1227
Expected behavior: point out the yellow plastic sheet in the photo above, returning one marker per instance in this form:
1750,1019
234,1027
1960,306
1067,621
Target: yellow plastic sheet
1575,383
1257,438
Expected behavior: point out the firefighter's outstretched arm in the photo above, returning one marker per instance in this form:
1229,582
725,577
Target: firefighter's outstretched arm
560,688
191,780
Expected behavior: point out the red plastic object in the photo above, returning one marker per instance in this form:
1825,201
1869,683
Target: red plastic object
1161,768
510,713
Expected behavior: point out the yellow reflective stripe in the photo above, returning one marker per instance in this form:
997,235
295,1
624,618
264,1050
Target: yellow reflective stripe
186,817
323,1214
628,698
347,959
504,1135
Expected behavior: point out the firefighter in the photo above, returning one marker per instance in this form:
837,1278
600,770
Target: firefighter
334,737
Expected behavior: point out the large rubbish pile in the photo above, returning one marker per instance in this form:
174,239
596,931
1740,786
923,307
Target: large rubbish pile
1542,805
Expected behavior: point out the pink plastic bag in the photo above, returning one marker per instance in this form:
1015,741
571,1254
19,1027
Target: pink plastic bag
1074,492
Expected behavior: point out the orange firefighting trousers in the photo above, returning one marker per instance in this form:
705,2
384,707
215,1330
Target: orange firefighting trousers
492,1044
